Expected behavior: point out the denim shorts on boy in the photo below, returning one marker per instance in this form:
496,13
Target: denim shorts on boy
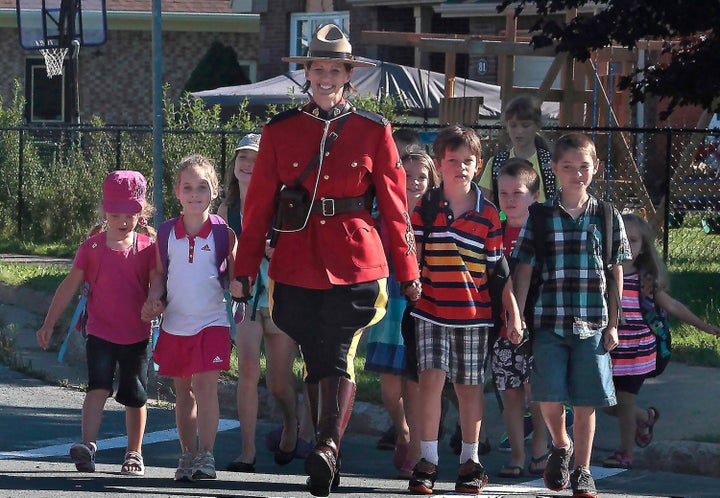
573,370
459,351
183,356
510,369
132,363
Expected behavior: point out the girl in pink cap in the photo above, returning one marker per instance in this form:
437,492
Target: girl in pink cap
114,265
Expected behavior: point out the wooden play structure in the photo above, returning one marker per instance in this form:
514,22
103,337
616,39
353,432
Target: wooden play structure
587,97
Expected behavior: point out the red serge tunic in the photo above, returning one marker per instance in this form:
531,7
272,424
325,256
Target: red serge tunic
345,248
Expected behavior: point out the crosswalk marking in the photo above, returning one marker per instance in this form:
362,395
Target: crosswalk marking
103,444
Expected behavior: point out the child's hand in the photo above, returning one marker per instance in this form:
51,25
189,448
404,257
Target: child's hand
151,308
43,336
241,289
411,289
610,338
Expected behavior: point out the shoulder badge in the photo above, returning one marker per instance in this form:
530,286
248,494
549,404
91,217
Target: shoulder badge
284,115
372,116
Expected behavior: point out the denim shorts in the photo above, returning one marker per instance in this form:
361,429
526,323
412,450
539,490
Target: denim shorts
571,370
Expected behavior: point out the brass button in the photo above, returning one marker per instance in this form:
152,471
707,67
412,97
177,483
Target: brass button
326,177
353,164
327,153
295,164
322,222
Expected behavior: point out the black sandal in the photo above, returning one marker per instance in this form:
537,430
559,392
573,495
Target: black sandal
534,462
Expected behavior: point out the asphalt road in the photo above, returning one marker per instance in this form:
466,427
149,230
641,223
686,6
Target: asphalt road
39,422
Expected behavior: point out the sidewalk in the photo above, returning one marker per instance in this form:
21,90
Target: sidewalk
687,397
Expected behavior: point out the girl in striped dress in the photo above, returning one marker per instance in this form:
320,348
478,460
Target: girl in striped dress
634,358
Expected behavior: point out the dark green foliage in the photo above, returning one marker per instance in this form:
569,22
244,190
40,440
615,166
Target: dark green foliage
218,67
690,28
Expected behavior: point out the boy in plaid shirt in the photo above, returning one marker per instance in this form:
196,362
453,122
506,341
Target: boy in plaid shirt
574,323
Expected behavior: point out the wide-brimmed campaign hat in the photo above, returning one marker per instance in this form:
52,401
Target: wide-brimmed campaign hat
329,43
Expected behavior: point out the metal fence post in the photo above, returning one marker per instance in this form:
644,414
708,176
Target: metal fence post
668,175
21,159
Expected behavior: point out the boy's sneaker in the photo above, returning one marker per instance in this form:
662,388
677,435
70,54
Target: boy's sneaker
583,485
184,472
204,466
84,456
423,478
472,478
557,474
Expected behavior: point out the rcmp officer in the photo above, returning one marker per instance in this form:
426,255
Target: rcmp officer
320,165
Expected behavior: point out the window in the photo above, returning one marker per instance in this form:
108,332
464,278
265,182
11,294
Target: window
303,25
249,69
45,96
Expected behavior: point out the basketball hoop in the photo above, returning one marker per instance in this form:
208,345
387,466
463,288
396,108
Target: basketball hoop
54,58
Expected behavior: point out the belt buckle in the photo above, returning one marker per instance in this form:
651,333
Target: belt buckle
328,207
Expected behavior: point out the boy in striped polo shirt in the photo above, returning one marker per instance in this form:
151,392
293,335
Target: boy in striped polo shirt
458,251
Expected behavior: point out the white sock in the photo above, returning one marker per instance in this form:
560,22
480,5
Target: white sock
429,451
469,452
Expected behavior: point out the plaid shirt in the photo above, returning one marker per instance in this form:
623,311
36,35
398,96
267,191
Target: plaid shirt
572,297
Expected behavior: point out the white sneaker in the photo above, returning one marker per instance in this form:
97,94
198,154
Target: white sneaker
204,466
184,472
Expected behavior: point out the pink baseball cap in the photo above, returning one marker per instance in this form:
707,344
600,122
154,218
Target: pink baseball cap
124,192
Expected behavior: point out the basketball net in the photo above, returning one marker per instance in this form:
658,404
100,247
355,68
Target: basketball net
54,58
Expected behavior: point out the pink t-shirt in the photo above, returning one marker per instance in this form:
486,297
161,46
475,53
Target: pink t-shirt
118,287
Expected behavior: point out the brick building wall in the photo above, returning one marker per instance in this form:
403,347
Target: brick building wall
115,79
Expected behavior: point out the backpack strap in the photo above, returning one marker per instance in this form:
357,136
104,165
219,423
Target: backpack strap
497,163
607,210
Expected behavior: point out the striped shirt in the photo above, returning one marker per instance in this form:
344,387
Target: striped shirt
635,353
572,297
458,253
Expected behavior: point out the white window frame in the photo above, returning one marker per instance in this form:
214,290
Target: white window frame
304,24
251,66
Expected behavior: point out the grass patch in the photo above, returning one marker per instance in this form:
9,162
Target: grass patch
57,250
39,277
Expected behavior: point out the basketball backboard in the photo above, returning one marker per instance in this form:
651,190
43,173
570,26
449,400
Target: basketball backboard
46,24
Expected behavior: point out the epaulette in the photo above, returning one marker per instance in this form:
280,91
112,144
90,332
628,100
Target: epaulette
284,115
372,116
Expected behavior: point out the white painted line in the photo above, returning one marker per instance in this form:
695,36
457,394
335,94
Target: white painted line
114,442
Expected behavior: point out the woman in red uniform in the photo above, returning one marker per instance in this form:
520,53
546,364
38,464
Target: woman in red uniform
328,272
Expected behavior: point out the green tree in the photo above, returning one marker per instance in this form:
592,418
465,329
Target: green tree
218,67
689,28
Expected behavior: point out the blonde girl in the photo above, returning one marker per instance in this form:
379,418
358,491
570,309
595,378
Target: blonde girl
194,343
115,262
635,356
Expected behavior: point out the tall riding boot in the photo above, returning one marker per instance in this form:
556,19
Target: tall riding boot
312,390
322,465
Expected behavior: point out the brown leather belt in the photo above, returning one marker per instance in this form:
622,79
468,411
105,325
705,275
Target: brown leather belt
331,207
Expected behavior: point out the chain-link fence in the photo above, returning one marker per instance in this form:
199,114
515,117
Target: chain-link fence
50,177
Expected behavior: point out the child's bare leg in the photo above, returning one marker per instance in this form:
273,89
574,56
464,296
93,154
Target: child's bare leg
431,386
627,419
471,406
247,341
92,412
584,433
411,400
307,427
135,420
280,350
539,438
204,385
391,391
186,414
513,416
554,416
